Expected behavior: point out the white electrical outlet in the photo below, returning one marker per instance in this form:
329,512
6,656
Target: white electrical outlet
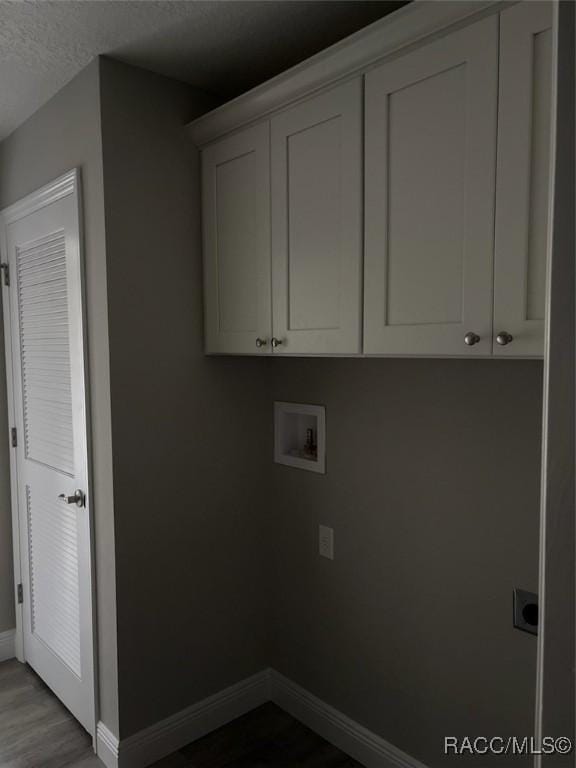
326,541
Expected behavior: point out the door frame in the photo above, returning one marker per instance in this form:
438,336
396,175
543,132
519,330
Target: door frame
67,184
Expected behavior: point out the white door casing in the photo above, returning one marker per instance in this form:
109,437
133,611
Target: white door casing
45,350
430,155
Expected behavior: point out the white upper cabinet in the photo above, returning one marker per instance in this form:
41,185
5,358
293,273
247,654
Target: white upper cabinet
430,159
390,197
522,179
316,166
236,224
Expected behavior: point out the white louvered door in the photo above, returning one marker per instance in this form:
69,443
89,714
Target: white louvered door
44,297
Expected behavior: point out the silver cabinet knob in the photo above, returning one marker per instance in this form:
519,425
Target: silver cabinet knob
276,342
471,338
504,338
79,498
261,342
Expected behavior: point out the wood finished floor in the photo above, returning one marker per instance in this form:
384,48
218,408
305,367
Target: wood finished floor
37,731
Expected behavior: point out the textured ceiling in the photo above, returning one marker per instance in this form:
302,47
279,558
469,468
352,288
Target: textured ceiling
221,46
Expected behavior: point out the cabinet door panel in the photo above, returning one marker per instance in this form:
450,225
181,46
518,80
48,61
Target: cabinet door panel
236,211
316,223
523,177
430,179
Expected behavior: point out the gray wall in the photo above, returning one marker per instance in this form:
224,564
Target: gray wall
433,471
62,135
432,487
191,434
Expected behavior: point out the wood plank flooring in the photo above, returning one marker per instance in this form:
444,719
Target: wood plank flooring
37,731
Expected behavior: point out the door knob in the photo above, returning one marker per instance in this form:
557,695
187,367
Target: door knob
261,342
276,342
504,338
79,498
471,338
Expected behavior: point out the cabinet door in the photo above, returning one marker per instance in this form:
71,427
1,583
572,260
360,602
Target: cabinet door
430,184
523,178
316,155
236,219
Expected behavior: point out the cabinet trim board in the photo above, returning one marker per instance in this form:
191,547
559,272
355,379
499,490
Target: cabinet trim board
349,57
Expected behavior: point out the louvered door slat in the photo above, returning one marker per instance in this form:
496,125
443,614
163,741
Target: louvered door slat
46,377
53,558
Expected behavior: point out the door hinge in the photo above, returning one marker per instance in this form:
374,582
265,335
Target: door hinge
20,591
14,437
6,272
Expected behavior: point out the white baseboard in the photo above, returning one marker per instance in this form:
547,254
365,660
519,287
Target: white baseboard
167,736
7,645
160,740
346,734
106,746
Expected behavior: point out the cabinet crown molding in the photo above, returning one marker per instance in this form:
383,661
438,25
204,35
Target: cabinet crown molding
344,59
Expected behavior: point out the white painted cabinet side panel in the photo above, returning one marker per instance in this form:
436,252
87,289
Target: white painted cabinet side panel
236,219
430,155
316,161
523,177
